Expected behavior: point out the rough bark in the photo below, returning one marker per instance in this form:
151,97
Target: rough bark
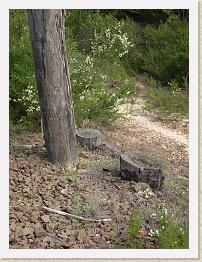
53,82
89,138
140,169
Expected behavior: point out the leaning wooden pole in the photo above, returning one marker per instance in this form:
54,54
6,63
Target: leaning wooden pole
53,83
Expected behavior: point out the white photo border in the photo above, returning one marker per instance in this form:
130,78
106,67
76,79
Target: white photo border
193,251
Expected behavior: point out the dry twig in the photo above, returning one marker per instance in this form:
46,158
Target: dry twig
62,213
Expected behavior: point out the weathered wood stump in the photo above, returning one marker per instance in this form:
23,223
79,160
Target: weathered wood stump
141,169
109,149
89,138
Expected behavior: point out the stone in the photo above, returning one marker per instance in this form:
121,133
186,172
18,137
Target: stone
136,187
98,240
141,169
81,236
39,231
68,243
150,245
12,226
35,244
107,235
45,218
142,232
59,239
18,232
44,245
11,237
19,214
28,231
124,235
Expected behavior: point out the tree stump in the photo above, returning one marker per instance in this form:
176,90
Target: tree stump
141,169
89,138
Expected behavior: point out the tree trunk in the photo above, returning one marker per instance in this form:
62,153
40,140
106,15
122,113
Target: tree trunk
53,83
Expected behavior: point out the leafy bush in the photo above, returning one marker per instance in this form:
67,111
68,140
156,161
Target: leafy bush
22,86
167,232
92,101
171,235
92,72
167,100
166,54
108,38
111,42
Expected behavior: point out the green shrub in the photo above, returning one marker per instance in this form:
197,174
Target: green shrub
22,84
166,51
134,224
104,35
92,101
167,100
94,32
171,235
168,232
132,60
79,27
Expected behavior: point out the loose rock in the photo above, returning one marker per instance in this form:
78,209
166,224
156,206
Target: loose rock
28,231
45,218
39,231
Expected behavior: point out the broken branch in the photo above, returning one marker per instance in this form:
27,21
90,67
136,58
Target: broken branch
62,213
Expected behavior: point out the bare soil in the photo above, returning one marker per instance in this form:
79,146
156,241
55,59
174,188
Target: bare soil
95,189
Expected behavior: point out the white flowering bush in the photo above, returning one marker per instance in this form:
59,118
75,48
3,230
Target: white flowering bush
29,103
171,234
109,39
92,101
30,100
111,42
168,231
92,71
105,49
163,227
23,98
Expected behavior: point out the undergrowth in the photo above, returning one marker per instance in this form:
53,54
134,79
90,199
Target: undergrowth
167,100
104,51
166,231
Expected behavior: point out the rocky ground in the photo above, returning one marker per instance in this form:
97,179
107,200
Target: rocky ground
95,190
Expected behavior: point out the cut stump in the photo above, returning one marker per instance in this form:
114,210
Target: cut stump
141,169
89,138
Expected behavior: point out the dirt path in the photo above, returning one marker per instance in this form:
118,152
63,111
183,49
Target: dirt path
139,131
137,116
